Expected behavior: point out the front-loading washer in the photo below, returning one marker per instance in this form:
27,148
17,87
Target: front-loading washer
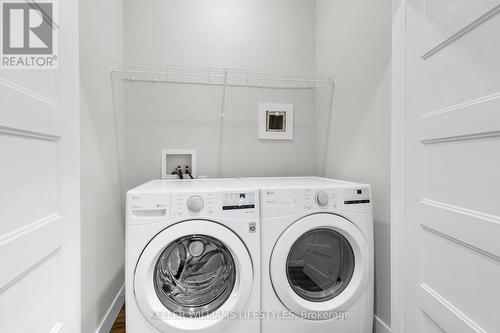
317,255
193,257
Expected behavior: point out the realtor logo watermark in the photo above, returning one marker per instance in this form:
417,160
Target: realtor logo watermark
29,34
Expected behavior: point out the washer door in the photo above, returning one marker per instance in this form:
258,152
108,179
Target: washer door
319,264
187,281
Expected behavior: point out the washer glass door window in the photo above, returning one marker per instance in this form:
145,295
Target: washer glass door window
194,275
320,265
185,282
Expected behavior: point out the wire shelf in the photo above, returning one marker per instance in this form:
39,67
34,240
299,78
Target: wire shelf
219,76
214,110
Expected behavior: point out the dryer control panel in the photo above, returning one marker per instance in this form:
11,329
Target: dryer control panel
320,198
284,202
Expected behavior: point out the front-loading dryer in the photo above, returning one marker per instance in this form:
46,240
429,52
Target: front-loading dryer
192,257
317,255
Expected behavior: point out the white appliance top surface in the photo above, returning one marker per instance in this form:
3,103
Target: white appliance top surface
193,185
298,182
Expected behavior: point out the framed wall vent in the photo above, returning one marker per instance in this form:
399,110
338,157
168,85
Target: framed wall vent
275,121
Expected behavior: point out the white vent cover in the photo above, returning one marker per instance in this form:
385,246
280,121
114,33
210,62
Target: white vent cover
275,121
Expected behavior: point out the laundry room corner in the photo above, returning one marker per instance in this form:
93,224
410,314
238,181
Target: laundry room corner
103,226
307,37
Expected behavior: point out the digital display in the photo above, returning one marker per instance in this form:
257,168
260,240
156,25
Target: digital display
238,200
356,196
237,207
355,202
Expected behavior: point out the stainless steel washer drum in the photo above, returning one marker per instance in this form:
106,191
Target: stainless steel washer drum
194,275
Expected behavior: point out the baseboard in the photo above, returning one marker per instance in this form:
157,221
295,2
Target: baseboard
113,311
379,326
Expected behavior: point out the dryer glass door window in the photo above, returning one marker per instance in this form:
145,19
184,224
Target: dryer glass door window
320,265
194,275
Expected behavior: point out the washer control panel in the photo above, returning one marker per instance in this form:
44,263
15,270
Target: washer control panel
214,203
356,196
186,204
238,201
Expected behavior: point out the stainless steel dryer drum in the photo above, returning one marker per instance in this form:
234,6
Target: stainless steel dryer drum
320,265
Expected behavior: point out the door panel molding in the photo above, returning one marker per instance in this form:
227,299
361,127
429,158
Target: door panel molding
460,242
30,116
465,105
465,137
28,134
43,310
29,93
45,236
449,318
463,225
475,12
35,160
464,121
27,271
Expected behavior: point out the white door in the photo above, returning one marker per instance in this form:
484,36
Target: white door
446,138
39,190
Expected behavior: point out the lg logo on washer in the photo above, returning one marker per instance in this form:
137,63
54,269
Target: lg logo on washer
29,38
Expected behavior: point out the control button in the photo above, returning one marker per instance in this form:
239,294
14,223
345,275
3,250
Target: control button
322,198
195,204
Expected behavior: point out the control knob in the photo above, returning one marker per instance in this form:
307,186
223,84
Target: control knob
195,204
322,198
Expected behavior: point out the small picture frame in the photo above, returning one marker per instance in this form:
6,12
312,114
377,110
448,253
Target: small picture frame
275,121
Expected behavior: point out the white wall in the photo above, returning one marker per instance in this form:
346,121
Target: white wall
101,40
256,34
354,43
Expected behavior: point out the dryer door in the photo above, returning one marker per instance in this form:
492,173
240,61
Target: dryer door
319,266
192,281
